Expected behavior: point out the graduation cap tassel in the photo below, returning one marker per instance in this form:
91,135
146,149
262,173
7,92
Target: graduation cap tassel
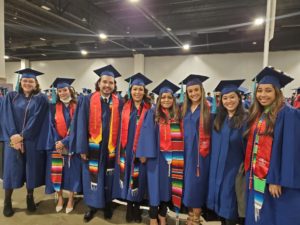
53,95
128,92
18,83
181,99
214,105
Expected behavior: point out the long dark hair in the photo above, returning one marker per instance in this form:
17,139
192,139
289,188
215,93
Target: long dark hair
257,109
37,89
238,118
72,92
97,88
174,111
145,99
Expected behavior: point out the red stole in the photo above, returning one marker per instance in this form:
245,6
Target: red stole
125,124
60,122
264,150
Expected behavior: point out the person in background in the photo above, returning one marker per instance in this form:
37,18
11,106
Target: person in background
272,154
130,175
227,153
94,135
63,166
23,113
296,101
209,98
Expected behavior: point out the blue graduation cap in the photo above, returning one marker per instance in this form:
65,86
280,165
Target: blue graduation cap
29,73
165,87
62,82
138,79
269,75
194,79
108,71
226,86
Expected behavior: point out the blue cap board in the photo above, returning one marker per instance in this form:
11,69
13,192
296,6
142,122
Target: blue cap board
165,87
227,86
60,82
138,79
194,79
107,71
29,73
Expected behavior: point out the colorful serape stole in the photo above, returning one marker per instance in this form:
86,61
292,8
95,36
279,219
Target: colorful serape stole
172,147
95,135
134,173
259,148
57,163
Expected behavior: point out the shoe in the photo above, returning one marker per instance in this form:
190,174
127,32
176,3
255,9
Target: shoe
137,215
89,215
7,209
31,207
129,212
108,213
58,208
68,210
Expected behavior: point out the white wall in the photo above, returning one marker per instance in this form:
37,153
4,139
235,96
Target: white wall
174,68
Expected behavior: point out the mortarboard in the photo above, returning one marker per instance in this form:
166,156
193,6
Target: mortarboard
62,82
165,87
226,86
269,75
107,71
29,73
138,79
194,79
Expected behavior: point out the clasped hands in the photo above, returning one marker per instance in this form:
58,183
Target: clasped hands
16,142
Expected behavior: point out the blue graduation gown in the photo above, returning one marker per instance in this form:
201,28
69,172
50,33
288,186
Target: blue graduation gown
30,166
284,171
79,141
71,174
158,180
1,133
227,154
195,188
125,193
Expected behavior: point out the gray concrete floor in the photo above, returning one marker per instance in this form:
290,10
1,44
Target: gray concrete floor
46,214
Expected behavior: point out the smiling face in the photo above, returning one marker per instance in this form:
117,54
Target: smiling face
28,85
194,93
265,94
137,93
230,101
106,85
64,93
166,100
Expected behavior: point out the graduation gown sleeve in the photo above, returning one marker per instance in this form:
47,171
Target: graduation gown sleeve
284,165
9,125
147,140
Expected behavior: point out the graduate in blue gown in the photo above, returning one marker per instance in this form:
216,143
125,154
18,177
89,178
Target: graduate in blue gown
63,164
196,124
94,135
130,173
23,114
227,153
272,154
161,147
1,133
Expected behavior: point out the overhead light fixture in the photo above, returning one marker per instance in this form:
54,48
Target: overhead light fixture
186,47
254,43
84,20
259,21
84,52
103,36
45,7
169,29
134,1
43,39
133,50
44,54
6,57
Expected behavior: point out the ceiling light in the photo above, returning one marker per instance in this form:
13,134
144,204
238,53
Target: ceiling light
84,20
169,29
6,57
43,39
44,54
133,50
254,43
134,1
103,36
259,21
84,52
186,47
45,7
